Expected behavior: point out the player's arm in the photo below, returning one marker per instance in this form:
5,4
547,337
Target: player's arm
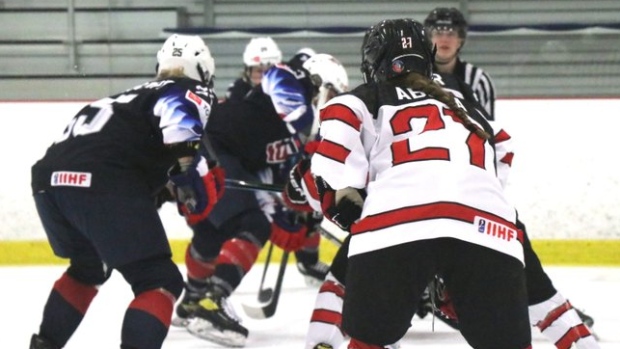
504,152
182,119
340,163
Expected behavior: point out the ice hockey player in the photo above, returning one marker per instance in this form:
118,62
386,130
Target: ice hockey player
259,55
95,188
257,139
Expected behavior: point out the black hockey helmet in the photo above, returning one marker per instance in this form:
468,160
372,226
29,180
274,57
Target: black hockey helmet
395,47
444,18
364,66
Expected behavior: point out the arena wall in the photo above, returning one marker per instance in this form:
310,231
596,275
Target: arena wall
565,180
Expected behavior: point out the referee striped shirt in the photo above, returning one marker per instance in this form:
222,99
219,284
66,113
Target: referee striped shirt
480,83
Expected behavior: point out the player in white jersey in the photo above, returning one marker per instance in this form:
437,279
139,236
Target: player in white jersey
553,314
418,172
562,327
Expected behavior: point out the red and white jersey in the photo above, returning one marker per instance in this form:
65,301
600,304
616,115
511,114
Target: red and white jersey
426,175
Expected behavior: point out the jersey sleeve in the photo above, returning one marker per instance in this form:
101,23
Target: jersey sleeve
183,113
504,153
341,158
288,96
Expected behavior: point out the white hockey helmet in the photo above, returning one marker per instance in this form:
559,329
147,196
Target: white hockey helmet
261,51
189,52
331,72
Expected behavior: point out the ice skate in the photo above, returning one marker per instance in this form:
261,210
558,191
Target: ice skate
215,320
314,274
323,346
186,308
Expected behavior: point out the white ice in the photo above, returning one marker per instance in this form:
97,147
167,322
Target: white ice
24,290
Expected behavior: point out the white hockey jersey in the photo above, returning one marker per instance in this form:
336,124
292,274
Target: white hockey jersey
425,174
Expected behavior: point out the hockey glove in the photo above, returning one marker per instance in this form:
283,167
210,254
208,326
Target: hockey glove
342,207
197,189
287,231
294,195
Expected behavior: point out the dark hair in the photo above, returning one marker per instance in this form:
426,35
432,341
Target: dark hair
422,83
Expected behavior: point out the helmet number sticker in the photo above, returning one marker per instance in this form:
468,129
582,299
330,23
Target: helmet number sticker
406,41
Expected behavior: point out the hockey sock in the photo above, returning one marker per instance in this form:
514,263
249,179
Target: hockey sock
309,253
325,323
236,258
147,320
560,323
65,308
199,269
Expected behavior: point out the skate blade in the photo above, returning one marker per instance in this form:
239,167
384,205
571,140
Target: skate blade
205,330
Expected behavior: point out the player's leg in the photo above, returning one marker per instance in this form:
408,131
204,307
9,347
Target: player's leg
549,311
214,319
488,293
308,262
380,287
325,328
200,261
130,237
73,292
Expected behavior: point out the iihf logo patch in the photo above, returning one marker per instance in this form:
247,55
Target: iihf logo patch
495,229
398,66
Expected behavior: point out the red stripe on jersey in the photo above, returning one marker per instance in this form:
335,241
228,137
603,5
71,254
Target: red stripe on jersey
437,210
572,336
333,151
239,252
554,315
507,159
158,303
77,294
501,136
332,287
326,316
341,113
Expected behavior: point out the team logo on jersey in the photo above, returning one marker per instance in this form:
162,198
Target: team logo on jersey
280,150
495,229
398,66
71,179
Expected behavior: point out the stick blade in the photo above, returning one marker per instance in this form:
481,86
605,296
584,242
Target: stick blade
264,311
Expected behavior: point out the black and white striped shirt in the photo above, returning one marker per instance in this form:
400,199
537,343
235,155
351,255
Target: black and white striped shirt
480,83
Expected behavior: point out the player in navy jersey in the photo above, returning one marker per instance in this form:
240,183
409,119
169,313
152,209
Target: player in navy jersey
95,191
255,140
259,55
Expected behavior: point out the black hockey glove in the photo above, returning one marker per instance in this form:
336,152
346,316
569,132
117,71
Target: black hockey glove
343,207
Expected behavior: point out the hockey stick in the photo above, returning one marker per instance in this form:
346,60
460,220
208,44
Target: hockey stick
268,309
265,293
243,185
329,236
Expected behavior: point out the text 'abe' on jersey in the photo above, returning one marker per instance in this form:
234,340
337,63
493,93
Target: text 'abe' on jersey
122,138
